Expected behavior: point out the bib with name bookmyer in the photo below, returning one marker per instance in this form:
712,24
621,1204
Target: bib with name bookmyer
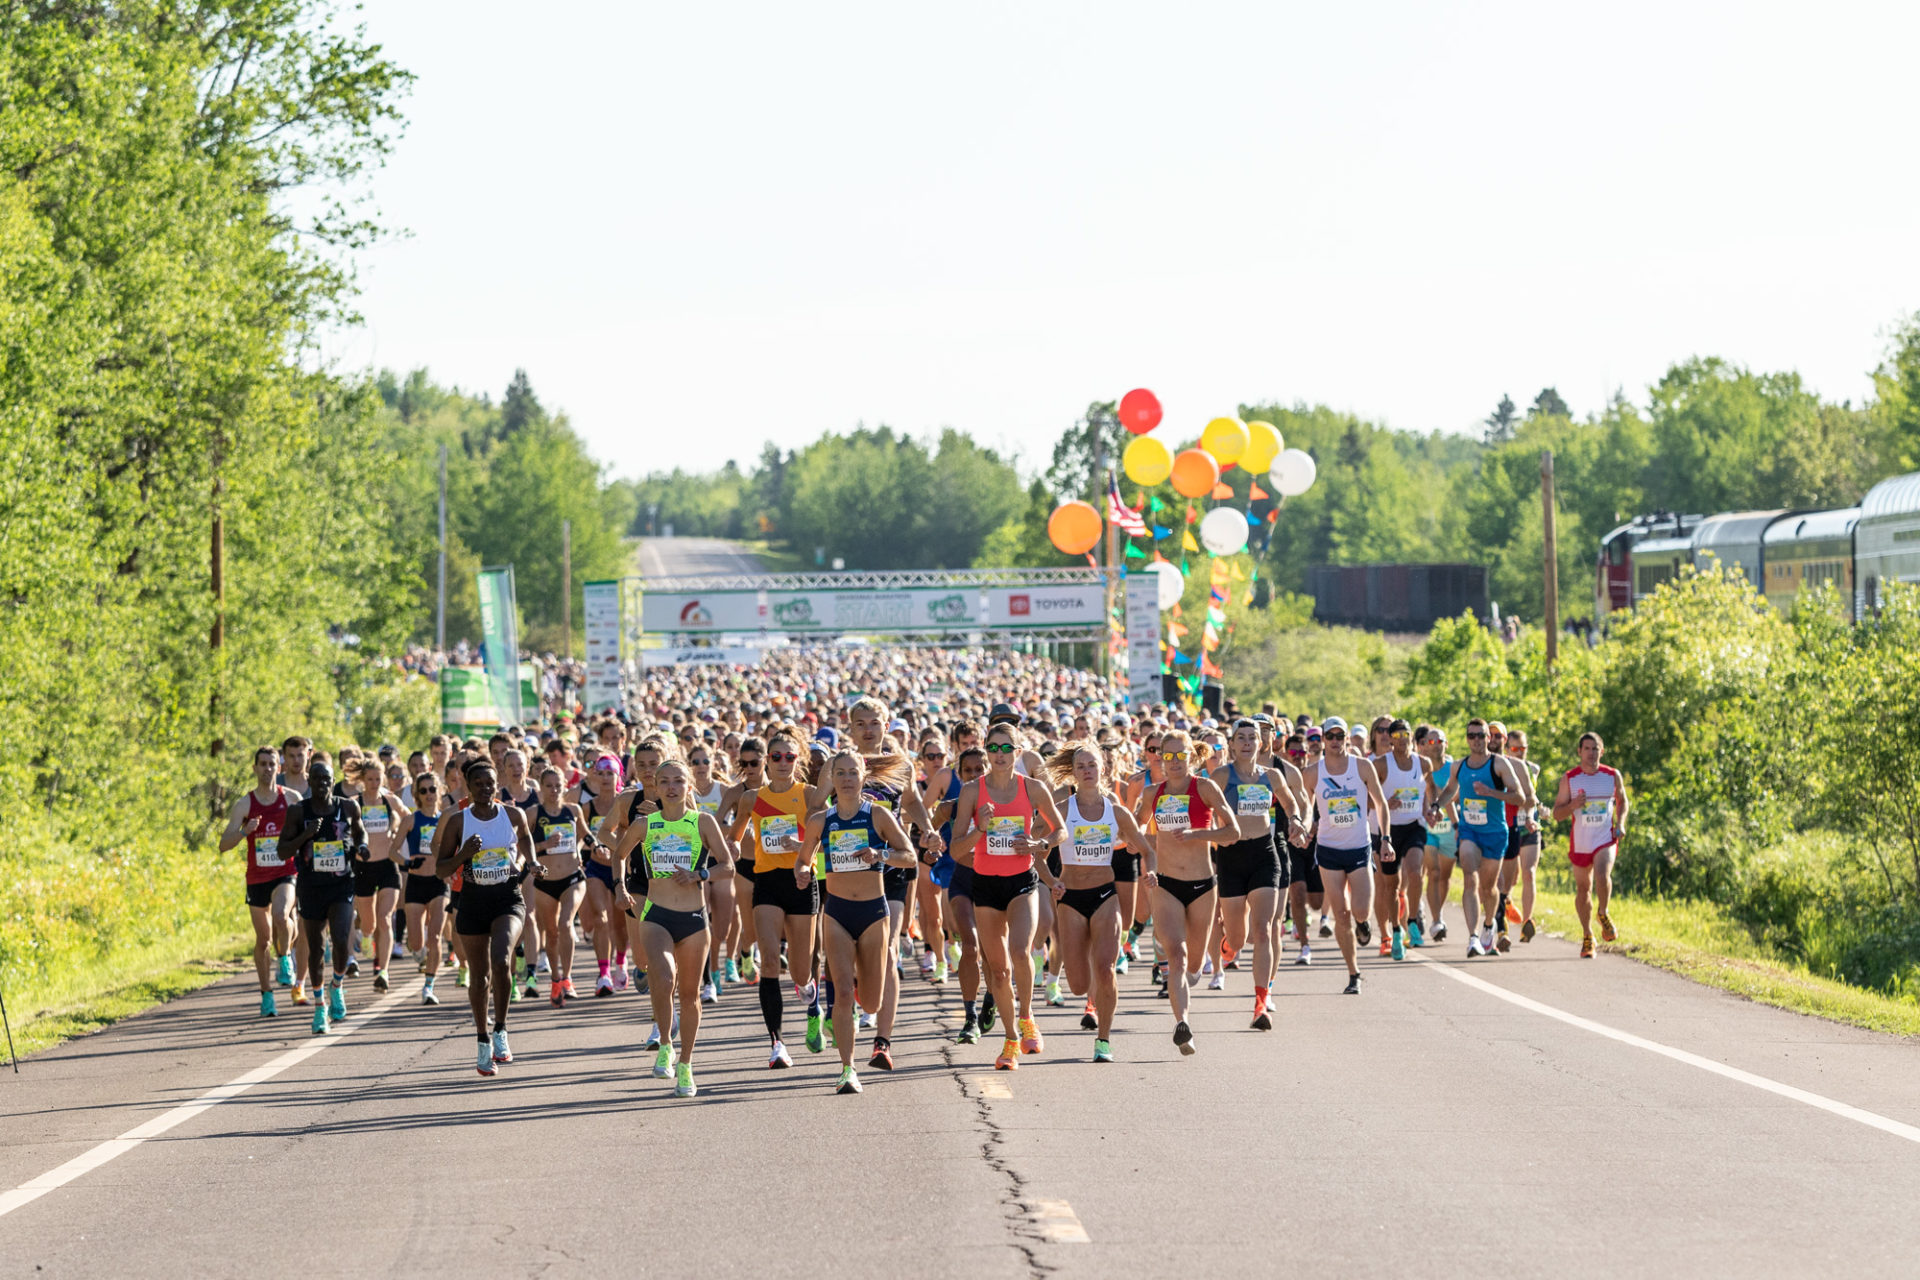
847,849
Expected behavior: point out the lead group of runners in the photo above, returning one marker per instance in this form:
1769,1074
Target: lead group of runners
820,844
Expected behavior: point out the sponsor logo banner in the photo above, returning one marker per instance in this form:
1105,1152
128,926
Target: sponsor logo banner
872,612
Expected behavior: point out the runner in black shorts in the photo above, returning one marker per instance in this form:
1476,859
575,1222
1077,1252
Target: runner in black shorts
1250,870
492,846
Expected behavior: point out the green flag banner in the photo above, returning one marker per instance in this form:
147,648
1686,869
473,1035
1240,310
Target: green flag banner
500,633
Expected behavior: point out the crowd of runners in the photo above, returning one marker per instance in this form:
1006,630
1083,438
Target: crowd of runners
829,826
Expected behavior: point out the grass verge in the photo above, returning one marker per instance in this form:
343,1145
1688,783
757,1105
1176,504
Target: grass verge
47,1027
1702,942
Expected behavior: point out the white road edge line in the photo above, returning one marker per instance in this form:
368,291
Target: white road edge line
88,1161
1847,1111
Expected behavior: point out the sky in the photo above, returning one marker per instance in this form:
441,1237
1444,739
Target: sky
703,227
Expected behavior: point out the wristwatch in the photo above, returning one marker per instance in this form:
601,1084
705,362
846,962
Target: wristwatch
706,873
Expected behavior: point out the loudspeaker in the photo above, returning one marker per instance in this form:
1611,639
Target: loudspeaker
1211,691
1170,689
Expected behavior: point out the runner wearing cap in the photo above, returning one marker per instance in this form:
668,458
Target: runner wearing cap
1443,837
1345,788
1410,792
1482,783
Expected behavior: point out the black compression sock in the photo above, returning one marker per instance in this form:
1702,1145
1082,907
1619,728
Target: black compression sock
771,1005
986,1004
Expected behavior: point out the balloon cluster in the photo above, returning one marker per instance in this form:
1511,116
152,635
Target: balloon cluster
1075,526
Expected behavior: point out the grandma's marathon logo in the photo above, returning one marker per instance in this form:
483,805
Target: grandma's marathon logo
795,613
692,615
951,608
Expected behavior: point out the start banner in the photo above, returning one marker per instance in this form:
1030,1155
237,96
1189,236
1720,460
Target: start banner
906,609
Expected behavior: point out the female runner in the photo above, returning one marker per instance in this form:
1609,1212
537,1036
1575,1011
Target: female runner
598,797
426,892
1346,788
1088,918
559,831
706,791
853,836
781,901
490,844
1189,817
676,844
750,772
1004,825
1251,870
376,882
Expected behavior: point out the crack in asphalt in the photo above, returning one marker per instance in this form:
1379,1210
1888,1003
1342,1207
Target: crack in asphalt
1022,1233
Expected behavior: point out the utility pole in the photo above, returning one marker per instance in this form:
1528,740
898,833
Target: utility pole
1552,559
566,589
217,574
440,618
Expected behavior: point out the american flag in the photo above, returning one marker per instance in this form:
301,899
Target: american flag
1124,517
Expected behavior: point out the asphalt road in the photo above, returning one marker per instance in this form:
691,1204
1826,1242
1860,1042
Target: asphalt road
678,557
1431,1126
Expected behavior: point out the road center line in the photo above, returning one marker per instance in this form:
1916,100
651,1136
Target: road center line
1057,1223
1845,1110
87,1161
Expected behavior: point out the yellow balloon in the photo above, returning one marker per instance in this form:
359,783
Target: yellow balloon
1225,439
1263,446
1147,461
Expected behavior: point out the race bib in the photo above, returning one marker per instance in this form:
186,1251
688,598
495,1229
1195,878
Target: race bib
847,850
669,852
1002,832
708,806
561,834
1092,845
1255,800
878,803
1596,814
1441,825
1170,813
1343,812
1406,803
1473,811
330,857
777,828
424,835
375,821
490,867
266,851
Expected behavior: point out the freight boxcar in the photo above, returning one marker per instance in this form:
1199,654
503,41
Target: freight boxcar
1396,597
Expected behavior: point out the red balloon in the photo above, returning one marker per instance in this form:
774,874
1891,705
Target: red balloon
1139,411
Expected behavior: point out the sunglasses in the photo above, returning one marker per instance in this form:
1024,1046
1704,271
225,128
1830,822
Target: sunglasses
1000,748
749,762
933,755
787,756
426,791
1334,735
1173,755
699,763
1474,733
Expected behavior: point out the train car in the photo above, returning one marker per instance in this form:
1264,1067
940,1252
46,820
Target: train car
1808,550
1886,540
1613,587
1735,540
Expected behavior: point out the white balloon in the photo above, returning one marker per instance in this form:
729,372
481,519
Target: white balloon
1223,530
1293,473
1170,582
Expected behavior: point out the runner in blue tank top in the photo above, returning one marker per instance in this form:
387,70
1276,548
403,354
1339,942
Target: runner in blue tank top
1482,784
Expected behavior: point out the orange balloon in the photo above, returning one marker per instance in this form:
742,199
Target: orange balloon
1074,528
1195,472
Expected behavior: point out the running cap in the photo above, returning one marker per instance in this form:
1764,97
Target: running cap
1002,712
899,724
827,735
1331,723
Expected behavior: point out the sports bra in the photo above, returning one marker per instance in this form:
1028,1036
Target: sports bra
844,841
1093,837
1180,812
